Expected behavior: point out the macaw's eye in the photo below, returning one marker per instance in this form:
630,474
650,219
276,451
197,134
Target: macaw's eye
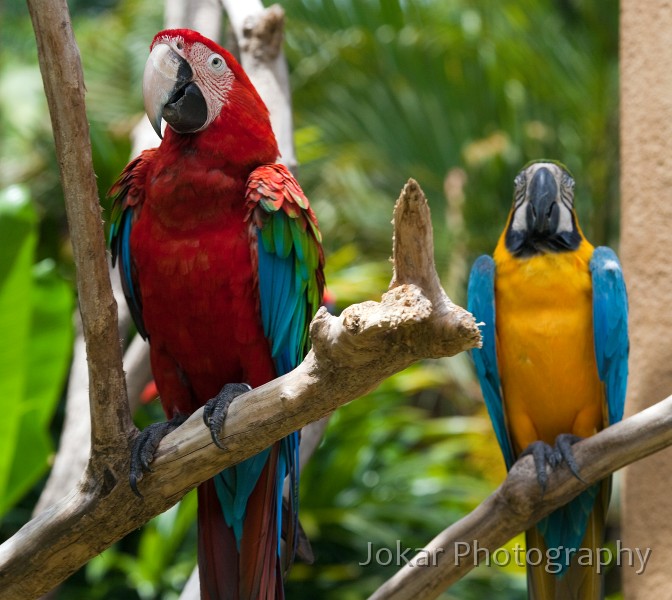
519,185
567,181
216,63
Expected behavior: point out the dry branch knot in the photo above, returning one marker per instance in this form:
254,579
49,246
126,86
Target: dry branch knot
263,34
415,318
401,306
413,242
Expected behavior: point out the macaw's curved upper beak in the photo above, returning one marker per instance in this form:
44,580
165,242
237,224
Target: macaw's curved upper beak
543,210
170,93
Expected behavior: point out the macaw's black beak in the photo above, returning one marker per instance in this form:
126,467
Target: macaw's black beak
543,212
170,93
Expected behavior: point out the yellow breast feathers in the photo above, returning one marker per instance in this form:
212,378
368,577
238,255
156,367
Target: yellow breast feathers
545,346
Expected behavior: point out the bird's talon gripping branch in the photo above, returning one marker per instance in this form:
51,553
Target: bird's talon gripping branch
543,455
553,456
563,446
145,446
216,409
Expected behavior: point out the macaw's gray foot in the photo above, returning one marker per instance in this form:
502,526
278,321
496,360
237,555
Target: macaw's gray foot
216,409
145,446
563,445
553,456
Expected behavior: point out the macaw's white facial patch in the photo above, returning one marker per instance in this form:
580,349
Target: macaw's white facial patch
212,75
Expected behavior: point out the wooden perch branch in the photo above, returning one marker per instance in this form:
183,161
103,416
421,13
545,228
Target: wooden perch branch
519,503
351,355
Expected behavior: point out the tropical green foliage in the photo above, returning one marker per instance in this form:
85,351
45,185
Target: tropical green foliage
36,333
455,93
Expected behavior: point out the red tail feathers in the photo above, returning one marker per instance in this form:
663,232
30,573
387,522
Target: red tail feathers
254,573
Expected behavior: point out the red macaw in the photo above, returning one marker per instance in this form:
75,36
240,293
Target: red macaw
222,266
554,363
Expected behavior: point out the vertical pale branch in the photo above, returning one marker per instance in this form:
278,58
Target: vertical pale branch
64,87
75,444
204,16
260,33
73,452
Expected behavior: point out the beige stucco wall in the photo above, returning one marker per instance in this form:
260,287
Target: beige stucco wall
646,252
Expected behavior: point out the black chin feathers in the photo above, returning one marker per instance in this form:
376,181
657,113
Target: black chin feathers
525,244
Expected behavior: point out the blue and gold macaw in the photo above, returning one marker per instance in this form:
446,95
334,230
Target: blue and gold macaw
554,363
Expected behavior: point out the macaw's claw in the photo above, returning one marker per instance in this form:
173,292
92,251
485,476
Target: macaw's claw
563,445
553,456
543,455
145,446
216,409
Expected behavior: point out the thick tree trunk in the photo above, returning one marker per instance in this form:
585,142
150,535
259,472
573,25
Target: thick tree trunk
646,244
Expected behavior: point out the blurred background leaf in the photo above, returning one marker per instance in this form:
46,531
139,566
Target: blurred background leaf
36,332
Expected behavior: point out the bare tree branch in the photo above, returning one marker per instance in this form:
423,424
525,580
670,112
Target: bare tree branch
64,87
519,503
204,16
75,444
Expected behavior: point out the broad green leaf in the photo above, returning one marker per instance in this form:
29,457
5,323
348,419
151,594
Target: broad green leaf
47,361
36,335
18,237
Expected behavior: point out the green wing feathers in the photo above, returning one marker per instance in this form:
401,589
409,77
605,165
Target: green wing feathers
290,261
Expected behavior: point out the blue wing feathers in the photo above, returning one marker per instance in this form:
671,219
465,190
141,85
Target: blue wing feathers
289,266
481,303
284,281
278,302
284,258
120,245
610,326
